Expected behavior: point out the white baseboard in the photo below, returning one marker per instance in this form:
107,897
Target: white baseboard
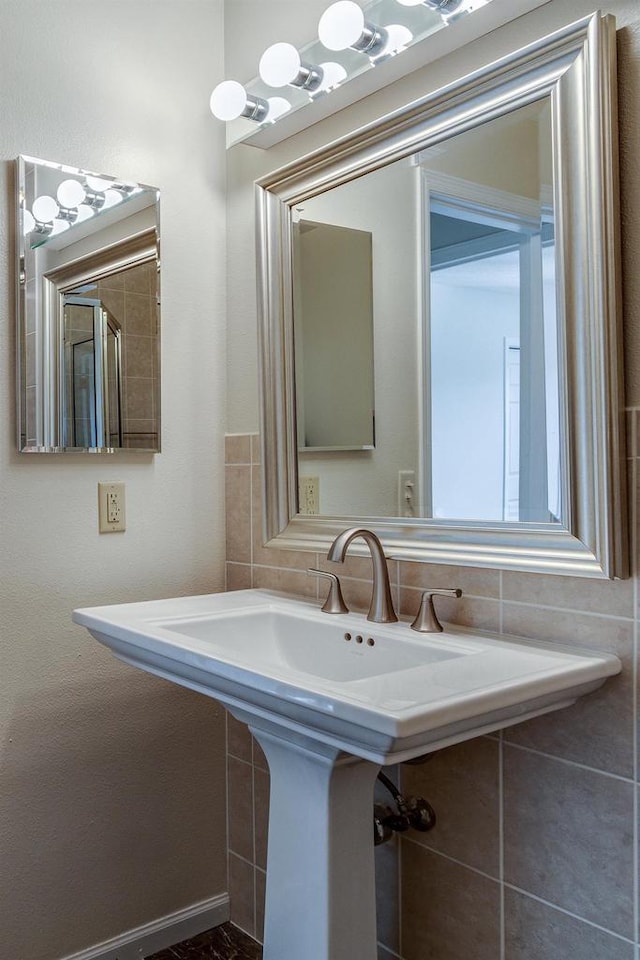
160,934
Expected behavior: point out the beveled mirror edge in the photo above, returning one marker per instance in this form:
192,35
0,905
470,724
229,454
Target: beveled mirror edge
140,243
579,58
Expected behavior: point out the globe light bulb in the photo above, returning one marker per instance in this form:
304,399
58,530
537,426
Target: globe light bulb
28,222
70,193
45,209
278,106
279,65
398,38
111,198
59,226
98,184
333,74
341,25
229,101
84,212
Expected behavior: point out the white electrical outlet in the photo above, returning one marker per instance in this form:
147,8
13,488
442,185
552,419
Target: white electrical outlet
309,495
111,513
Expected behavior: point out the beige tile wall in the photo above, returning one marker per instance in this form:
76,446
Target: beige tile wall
534,855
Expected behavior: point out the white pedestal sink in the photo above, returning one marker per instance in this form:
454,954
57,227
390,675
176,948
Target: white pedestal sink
331,699
320,901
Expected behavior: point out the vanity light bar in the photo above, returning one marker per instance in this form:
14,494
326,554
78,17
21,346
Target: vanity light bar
75,201
343,28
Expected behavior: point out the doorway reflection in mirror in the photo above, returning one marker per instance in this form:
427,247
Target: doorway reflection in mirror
493,332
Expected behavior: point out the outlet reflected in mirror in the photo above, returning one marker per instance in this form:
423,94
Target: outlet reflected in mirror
88,311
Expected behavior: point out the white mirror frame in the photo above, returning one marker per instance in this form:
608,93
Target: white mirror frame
575,67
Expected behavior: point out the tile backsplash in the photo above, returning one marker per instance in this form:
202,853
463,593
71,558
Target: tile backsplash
534,854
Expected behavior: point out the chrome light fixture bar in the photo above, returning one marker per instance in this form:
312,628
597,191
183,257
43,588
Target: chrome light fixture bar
376,42
76,199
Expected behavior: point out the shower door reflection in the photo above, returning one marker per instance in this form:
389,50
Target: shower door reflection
91,375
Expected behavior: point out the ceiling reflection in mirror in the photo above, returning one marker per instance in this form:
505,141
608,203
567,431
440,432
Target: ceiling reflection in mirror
455,371
88,311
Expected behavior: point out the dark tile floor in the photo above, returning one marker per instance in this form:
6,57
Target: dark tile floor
222,943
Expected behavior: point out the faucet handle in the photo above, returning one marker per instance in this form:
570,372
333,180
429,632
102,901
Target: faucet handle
335,601
426,620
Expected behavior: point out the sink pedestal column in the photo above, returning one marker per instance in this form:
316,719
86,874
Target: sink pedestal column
320,868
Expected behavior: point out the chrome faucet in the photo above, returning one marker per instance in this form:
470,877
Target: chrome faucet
381,608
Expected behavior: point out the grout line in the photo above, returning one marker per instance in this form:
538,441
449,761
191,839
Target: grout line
392,953
501,848
397,585
526,893
636,839
252,519
226,793
239,759
575,610
239,856
568,913
570,763
302,569
399,892
255,858
316,563
255,903
446,856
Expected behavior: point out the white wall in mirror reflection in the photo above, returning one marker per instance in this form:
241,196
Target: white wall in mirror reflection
478,430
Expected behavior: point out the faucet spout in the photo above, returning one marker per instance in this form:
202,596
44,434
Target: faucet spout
381,609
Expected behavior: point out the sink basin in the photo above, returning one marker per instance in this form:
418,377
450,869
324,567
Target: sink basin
330,698
286,643
386,694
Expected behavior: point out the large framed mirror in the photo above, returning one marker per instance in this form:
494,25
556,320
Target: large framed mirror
88,361
491,208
